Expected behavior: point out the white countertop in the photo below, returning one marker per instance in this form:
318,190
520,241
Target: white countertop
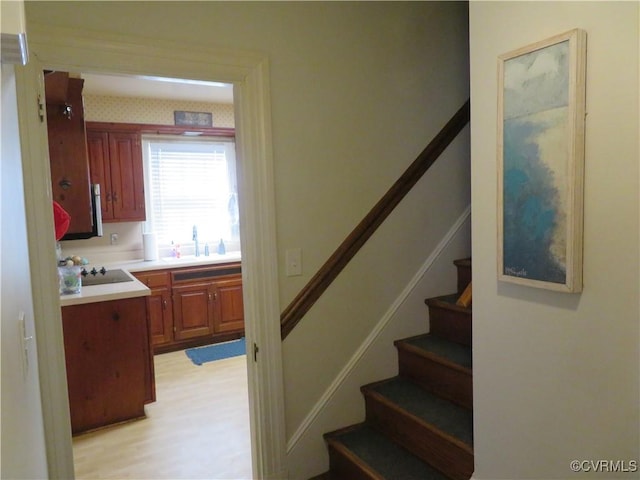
106,292
171,262
135,288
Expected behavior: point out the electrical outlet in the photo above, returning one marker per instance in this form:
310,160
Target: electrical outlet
114,239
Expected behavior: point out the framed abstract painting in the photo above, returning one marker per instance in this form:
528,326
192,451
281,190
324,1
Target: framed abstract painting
541,130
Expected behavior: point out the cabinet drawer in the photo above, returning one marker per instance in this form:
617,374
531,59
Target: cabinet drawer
189,275
154,279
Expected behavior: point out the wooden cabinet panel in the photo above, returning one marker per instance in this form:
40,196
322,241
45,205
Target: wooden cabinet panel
157,278
159,305
109,362
193,310
68,151
127,178
194,306
98,148
228,306
160,311
115,159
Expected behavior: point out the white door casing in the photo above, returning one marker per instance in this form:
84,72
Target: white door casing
91,52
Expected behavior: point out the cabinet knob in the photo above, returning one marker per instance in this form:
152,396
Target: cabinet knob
115,316
164,304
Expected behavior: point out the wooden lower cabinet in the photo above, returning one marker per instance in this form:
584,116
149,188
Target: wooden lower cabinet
229,307
159,305
109,362
194,306
193,311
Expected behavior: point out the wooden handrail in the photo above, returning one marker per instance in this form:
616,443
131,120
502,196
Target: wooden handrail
369,224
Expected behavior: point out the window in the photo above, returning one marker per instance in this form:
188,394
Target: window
191,182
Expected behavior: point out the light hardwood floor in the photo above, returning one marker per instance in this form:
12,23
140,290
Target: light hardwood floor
198,428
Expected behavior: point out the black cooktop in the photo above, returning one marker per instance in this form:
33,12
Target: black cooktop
109,276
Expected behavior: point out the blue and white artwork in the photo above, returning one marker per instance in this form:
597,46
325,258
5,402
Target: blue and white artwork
535,160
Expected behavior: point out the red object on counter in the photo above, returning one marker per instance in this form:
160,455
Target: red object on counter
61,219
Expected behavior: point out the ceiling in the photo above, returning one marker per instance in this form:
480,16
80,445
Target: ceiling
155,87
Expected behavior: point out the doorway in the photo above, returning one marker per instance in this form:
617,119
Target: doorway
185,425
69,51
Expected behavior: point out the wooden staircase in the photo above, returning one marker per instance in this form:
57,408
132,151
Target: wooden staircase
419,425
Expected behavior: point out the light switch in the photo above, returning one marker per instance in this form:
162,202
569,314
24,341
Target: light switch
294,262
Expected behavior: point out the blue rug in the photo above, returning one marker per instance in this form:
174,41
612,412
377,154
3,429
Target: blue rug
218,351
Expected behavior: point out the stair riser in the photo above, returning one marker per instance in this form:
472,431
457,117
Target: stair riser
344,467
449,383
451,325
451,459
464,276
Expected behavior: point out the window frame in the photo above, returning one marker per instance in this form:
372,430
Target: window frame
183,239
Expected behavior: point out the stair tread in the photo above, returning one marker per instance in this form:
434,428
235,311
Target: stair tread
451,351
386,457
447,301
463,262
446,416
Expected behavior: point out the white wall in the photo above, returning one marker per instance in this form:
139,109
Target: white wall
556,375
22,439
357,91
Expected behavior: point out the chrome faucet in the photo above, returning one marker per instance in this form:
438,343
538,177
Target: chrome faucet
195,239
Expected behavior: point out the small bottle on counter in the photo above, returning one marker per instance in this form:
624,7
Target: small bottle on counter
206,249
221,248
177,250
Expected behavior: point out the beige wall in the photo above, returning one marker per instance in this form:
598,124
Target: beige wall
357,90
556,375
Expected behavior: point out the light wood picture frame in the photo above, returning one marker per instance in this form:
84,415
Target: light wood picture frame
541,133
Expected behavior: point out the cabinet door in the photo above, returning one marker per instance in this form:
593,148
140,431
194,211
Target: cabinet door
109,363
229,310
160,311
98,148
159,305
127,178
193,310
68,158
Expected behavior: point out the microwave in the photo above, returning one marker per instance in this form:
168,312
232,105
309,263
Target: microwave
96,213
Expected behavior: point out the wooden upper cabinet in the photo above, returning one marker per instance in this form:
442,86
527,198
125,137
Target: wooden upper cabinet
115,159
98,147
68,149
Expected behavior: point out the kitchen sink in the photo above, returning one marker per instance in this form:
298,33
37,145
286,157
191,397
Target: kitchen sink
110,276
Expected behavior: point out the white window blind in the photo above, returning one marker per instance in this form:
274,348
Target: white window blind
191,182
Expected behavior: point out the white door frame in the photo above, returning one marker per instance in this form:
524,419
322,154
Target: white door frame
77,51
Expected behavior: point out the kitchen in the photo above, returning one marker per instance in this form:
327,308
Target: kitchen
188,288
